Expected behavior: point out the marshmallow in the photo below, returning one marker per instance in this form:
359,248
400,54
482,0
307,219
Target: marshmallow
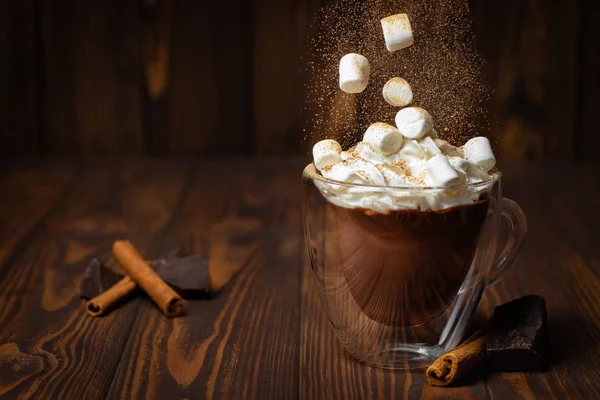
476,174
414,122
411,152
447,149
429,147
394,175
355,170
460,166
440,172
479,151
397,32
397,92
384,138
326,153
365,151
354,73
467,171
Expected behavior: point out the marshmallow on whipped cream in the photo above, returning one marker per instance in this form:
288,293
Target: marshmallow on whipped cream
479,151
448,171
414,122
326,153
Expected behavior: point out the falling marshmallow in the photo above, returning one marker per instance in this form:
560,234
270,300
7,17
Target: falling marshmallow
440,172
384,138
414,122
397,32
397,92
479,151
326,153
354,73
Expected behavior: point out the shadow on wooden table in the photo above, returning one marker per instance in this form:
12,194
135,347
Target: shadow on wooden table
569,338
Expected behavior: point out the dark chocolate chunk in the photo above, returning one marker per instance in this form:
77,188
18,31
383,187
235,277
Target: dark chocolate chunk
517,338
187,275
96,279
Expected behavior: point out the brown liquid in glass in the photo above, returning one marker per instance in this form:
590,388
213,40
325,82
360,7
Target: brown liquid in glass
406,267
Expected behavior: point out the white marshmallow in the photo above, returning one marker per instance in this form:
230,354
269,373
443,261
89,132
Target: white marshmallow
397,92
326,153
440,172
476,174
384,138
414,122
429,147
355,170
394,175
397,32
411,152
468,172
366,152
479,151
354,73
460,166
447,149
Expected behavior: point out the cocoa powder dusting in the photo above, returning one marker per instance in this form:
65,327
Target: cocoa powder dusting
442,67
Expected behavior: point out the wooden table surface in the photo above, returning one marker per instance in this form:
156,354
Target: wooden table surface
265,336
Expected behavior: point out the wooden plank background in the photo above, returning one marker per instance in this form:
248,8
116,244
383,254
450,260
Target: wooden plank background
91,78
266,335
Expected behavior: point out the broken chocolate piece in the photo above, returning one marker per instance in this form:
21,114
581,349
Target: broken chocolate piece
188,276
516,340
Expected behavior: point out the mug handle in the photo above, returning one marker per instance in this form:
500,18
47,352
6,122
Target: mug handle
517,225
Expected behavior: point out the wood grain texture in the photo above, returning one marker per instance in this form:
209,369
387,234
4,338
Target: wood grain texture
589,80
92,75
74,76
60,351
4,58
28,195
227,347
265,335
531,49
281,30
210,104
19,91
328,371
559,262
557,267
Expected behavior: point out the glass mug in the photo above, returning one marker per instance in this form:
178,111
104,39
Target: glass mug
399,289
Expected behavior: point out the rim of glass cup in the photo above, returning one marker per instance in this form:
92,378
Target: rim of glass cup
311,171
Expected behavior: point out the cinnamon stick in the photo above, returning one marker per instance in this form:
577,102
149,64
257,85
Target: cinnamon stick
106,300
132,262
457,362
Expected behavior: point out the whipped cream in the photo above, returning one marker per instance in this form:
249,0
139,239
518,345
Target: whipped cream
425,174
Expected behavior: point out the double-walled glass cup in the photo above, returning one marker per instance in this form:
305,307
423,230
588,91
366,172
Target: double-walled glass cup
399,287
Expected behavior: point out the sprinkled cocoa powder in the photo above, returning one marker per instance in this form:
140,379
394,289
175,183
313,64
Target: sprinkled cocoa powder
442,67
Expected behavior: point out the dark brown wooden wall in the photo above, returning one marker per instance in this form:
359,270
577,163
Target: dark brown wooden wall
93,78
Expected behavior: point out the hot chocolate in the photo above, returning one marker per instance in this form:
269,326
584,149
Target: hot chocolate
404,217
402,228
405,268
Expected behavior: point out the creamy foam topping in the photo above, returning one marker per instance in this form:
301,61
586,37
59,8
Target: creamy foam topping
400,176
